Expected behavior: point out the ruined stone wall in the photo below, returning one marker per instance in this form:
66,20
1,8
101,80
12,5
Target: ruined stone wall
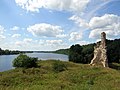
100,53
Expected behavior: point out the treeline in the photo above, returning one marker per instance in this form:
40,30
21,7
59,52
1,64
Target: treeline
85,53
43,51
81,54
113,50
62,51
9,52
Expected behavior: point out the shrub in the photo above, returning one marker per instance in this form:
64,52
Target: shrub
59,66
25,61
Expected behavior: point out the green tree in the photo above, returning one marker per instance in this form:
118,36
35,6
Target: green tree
113,50
75,54
6,52
88,52
84,54
25,61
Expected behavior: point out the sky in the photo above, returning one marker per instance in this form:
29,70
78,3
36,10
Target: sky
47,25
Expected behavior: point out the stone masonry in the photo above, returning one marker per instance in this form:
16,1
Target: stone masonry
100,53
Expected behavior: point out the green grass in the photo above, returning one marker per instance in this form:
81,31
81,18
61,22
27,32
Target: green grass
75,77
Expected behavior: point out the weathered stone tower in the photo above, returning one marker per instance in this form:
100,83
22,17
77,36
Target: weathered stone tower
103,39
100,53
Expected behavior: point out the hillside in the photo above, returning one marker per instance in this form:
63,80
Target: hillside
75,77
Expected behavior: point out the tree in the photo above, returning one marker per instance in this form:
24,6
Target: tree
113,50
75,54
6,52
24,61
81,54
88,52
84,54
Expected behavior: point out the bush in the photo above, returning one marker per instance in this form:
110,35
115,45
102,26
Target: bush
59,66
25,61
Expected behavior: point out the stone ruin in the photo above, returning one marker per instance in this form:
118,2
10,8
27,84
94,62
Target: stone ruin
100,53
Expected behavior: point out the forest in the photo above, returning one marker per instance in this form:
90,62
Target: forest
10,52
84,54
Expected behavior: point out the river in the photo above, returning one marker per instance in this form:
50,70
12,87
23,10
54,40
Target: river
6,60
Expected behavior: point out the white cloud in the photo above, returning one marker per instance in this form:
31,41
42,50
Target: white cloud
2,29
74,36
16,35
27,40
62,35
97,5
108,23
18,43
79,21
84,42
46,30
51,42
41,42
29,44
15,28
24,43
54,42
68,5
103,21
2,37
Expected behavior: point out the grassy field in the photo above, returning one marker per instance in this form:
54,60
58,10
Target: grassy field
75,77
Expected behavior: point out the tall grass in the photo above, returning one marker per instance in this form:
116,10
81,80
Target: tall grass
75,77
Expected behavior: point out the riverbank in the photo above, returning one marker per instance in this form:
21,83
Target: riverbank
75,77
6,60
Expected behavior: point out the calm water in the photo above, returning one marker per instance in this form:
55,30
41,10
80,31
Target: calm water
6,60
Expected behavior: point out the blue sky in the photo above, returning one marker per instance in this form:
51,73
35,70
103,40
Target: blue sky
55,24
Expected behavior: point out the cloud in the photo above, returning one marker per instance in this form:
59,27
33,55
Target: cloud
54,42
2,29
101,5
74,36
24,42
84,42
108,23
15,28
59,5
45,30
79,21
27,40
18,43
2,37
29,44
51,42
62,35
103,21
16,35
